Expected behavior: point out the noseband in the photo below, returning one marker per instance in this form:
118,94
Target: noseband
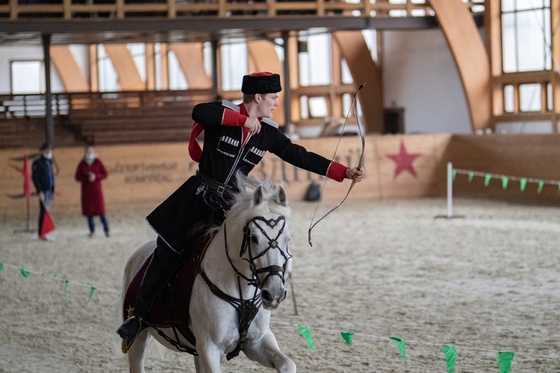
273,270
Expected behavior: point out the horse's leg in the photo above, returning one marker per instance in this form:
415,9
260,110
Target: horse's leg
266,352
208,359
137,352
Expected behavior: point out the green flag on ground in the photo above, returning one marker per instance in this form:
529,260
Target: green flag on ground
24,273
504,361
66,284
450,353
306,333
91,291
347,336
400,346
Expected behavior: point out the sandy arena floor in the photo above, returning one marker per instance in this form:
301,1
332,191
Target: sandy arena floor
486,283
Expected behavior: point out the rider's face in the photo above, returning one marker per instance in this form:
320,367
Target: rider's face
266,103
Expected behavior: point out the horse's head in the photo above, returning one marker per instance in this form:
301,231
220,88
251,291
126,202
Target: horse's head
266,237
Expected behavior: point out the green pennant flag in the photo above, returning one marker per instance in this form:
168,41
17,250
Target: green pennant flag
66,283
24,273
1,266
53,273
522,184
541,185
471,175
504,361
505,181
558,191
91,291
487,179
450,353
347,336
454,174
400,346
306,333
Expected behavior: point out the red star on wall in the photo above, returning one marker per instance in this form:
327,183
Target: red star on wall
403,160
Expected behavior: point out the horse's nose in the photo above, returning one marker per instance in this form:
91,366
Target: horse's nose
272,301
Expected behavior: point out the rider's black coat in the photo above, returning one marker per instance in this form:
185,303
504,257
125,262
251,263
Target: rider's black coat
223,154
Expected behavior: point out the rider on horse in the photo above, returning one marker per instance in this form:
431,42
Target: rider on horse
236,139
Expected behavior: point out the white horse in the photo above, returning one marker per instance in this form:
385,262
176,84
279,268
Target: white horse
240,278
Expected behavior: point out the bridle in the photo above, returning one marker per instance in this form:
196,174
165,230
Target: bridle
247,309
273,270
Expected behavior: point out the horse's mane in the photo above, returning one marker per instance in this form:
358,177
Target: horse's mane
242,200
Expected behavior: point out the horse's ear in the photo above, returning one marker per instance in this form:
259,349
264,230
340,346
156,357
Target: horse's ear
280,197
258,195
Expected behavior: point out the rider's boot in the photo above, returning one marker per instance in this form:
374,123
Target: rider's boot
153,282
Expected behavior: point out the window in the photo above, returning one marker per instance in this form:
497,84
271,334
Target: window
108,79
526,35
27,77
315,60
138,53
177,80
508,98
529,96
234,65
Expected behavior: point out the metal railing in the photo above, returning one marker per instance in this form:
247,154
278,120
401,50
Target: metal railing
100,103
32,106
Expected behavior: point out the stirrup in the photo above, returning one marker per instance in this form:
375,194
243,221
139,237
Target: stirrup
130,328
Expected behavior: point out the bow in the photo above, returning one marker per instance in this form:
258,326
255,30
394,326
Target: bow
360,162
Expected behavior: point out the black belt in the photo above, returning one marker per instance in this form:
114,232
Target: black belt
221,189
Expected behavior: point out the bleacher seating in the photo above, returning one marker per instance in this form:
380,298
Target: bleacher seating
109,118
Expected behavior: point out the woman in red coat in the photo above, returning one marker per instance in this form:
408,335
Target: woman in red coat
90,172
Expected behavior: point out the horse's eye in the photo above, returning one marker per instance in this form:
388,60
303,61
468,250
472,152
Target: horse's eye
254,239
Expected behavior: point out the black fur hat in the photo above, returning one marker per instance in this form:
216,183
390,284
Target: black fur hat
263,82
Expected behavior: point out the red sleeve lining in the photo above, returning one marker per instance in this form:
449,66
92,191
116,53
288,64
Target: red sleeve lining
336,171
233,118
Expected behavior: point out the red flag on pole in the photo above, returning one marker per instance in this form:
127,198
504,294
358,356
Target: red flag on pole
26,178
47,225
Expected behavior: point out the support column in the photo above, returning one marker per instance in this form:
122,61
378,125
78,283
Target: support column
215,57
49,123
286,84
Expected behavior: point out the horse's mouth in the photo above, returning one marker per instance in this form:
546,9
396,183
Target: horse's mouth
272,302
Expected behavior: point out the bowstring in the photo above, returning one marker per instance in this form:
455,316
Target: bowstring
353,105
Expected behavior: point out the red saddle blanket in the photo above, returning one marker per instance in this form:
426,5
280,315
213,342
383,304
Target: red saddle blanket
171,307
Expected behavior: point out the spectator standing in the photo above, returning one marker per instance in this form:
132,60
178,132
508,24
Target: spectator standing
43,180
89,173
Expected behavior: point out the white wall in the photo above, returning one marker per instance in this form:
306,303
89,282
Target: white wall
420,75
12,53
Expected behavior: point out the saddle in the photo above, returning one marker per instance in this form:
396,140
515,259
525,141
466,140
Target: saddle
171,307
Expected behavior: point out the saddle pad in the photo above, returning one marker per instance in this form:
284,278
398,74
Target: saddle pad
171,307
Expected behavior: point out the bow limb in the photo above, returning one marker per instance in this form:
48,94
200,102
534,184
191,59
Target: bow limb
360,162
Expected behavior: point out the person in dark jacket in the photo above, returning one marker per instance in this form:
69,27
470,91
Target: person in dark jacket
43,180
89,173
236,138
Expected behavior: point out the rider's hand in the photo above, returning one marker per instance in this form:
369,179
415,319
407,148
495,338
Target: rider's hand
356,174
253,125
